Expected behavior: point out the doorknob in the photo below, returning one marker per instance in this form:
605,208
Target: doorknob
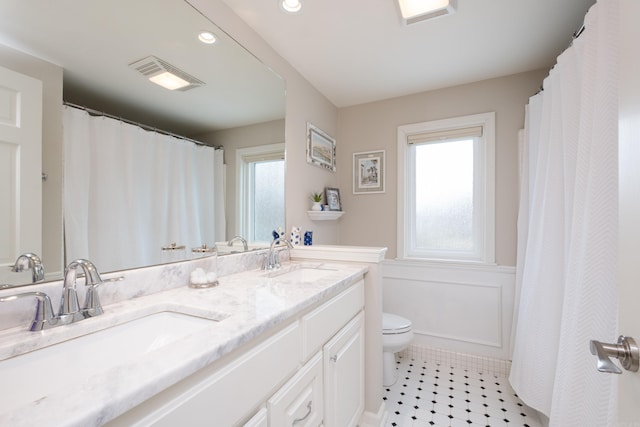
626,351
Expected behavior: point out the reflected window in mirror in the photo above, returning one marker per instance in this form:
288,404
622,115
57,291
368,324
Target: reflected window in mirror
261,191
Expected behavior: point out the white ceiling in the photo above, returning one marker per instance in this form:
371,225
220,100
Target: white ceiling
357,51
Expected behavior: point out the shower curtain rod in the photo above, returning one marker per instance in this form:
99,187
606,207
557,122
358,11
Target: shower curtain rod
574,36
140,125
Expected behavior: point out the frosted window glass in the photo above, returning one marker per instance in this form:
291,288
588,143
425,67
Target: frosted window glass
444,196
268,199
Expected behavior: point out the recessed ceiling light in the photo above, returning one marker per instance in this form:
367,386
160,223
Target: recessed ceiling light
419,10
290,6
207,37
169,81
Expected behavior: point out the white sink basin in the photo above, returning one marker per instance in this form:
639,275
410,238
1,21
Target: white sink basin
302,274
32,376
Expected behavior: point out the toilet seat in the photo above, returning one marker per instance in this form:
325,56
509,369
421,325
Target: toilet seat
394,324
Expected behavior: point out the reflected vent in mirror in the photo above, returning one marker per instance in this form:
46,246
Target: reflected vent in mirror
165,74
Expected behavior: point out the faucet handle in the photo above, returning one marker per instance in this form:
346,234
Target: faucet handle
92,306
44,318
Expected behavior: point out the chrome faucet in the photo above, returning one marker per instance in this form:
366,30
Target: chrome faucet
44,318
272,260
69,311
240,238
30,261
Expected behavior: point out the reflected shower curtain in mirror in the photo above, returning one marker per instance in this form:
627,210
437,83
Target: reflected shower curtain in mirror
567,232
128,192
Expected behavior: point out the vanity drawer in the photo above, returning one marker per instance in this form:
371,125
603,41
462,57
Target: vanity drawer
226,395
299,403
322,323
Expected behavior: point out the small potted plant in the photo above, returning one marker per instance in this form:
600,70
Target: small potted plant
317,199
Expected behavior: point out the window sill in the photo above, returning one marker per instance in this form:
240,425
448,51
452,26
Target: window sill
445,262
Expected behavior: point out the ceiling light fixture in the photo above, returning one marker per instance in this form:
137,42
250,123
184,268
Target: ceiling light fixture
290,6
413,11
207,37
169,81
164,74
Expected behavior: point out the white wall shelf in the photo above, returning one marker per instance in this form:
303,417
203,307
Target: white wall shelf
324,215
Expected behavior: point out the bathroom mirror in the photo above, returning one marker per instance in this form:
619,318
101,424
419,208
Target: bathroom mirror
95,42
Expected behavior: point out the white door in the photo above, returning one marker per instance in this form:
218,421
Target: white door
20,170
629,247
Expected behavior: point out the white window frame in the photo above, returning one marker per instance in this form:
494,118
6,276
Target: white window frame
485,228
244,182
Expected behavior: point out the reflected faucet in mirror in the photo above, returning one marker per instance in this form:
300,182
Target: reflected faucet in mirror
240,239
30,261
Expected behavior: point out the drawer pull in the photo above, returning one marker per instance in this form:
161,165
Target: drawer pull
297,420
334,358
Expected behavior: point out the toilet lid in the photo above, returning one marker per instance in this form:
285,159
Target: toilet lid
392,323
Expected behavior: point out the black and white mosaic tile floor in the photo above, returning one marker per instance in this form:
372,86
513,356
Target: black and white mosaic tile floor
430,394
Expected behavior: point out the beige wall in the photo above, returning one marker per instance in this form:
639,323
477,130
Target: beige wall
51,77
371,219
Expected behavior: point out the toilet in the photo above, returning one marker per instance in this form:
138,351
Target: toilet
396,336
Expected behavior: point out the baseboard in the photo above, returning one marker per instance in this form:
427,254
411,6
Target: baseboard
370,419
490,365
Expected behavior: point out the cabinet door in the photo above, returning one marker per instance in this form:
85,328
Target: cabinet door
344,375
299,402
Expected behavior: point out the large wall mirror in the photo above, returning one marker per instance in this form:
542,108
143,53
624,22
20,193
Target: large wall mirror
237,102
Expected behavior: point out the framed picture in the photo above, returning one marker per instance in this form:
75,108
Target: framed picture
369,172
332,196
321,148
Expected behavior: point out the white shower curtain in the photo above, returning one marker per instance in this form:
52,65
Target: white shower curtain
128,192
567,232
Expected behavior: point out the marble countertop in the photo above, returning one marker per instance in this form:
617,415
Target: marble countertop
243,306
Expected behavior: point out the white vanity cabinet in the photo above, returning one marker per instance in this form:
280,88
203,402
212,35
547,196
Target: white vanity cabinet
309,370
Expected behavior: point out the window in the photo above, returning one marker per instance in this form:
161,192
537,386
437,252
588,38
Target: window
446,189
260,191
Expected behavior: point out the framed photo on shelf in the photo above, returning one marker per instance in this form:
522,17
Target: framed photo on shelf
332,196
321,148
369,172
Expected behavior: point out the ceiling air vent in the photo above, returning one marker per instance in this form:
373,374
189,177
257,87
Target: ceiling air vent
152,66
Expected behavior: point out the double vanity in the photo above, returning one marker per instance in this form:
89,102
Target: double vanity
283,347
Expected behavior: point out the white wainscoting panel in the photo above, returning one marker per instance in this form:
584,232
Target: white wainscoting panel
457,307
